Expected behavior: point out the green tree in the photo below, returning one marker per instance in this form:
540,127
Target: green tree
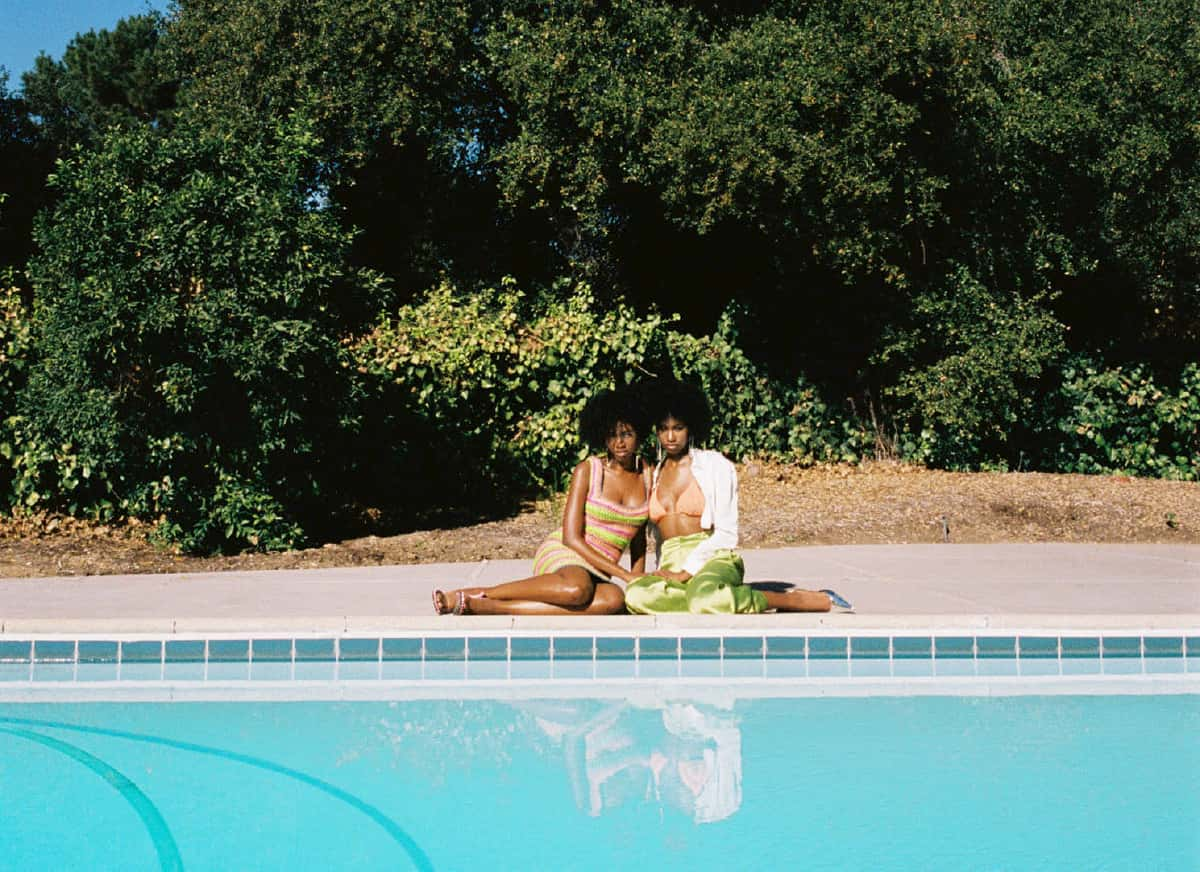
106,78
973,363
192,297
922,205
1097,144
397,98
830,163
793,158
487,388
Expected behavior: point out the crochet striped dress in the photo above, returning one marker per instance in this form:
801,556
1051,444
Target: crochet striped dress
607,527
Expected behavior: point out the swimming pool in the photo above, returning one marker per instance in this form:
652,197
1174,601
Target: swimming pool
591,752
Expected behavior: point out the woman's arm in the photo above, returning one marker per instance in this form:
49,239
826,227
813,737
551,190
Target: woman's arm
637,553
573,526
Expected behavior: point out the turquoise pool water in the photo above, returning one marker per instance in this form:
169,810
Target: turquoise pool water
571,782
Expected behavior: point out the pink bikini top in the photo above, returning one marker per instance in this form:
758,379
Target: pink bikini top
690,502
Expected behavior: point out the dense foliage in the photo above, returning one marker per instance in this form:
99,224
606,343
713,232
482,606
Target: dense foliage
191,297
273,284
106,78
1119,420
498,378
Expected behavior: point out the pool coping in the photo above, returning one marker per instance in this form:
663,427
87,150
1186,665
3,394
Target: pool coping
1050,586
349,625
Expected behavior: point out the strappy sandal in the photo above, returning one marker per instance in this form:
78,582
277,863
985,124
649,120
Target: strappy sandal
461,606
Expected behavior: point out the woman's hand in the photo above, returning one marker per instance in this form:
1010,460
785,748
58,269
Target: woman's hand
673,576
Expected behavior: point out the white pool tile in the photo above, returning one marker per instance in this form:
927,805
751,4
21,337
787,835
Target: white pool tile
828,668
626,668
487,670
658,668
178,671
400,670
445,670
530,670
313,670
864,668
226,670
1029,666
740,668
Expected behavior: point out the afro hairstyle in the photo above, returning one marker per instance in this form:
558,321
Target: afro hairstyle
605,410
671,398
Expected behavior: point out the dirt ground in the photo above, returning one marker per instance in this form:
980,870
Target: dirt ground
780,505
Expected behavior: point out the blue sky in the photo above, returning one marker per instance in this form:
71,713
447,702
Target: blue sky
28,27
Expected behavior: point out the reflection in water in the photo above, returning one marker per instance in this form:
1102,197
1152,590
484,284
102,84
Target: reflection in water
684,755
594,784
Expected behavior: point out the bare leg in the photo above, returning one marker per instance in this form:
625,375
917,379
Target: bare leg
572,589
569,587
606,600
798,601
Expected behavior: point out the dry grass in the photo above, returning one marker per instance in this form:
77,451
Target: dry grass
780,505
887,502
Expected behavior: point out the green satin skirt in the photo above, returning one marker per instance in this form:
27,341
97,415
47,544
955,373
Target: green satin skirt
719,588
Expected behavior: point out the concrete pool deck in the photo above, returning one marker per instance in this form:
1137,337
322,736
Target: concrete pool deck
893,587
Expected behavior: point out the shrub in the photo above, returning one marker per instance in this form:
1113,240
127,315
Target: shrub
16,331
972,365
191,297
755,415
497,380
502,377
1118,420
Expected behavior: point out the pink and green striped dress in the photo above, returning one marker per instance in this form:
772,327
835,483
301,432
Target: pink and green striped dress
608,527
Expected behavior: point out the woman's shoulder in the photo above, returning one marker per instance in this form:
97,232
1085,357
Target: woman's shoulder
584,467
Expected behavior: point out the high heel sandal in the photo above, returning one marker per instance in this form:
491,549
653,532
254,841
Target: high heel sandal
461,606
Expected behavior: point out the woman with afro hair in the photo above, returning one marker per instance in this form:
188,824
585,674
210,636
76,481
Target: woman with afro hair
605,515
694,510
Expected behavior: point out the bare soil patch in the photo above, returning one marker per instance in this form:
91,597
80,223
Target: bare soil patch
780,505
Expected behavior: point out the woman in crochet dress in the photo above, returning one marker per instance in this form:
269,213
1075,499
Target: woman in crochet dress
605,515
